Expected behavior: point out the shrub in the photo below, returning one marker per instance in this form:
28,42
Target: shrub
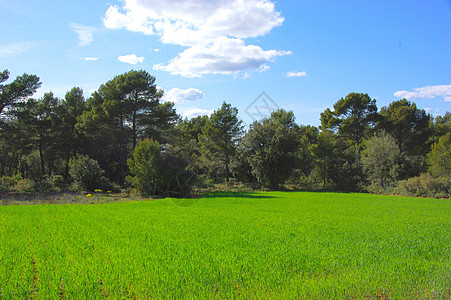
425,186
177,180
9,181
145,167
155,173
88,174
44,184
439,158
24,186
380,161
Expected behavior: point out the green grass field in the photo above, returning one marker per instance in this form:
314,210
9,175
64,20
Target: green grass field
262,245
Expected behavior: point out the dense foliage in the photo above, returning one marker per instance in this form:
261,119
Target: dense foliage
356,148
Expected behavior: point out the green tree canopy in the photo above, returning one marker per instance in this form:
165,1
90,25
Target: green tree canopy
121,111
21,88
439,158
408,125
146,167
271,147
220,136
352,116
380,161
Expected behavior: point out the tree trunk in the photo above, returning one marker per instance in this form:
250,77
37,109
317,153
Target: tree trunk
134,129
122,152
227,168
41,156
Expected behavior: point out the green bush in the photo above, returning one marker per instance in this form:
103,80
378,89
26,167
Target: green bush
155,173
87,174
425,186
177,180
380,161
8,182
145,168
439,158
24,186
44,184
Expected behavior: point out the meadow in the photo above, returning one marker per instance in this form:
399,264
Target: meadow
229,245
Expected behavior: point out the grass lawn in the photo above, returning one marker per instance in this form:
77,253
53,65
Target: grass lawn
230,245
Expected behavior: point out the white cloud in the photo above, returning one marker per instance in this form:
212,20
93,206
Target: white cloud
85,33
157,50
224,56
296,74
195,112
91,58
190,22
14,48
131,59
204,26
179,96
427,92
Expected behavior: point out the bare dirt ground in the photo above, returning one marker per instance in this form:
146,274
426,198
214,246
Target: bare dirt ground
60,198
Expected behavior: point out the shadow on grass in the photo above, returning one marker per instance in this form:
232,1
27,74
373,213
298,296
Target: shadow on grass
234,195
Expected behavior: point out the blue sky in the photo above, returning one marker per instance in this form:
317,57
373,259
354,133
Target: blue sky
305,55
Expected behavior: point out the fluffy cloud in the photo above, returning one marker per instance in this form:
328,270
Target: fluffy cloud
91,58
296,74
204,26
85,33
428,92
190,22
195,112
224,56
131,59
179,96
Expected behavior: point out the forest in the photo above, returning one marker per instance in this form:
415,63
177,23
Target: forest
125,138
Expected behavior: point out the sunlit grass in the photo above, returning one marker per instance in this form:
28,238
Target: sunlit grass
261,245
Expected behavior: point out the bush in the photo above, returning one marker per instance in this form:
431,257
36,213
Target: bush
44,184
439,158
177,180
24,186
380,161
145,167
425,186
154,173
88,175
9,181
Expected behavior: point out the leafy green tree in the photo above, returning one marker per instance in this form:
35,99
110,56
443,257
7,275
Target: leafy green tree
352,117
87,173
158,123
123,109
408,125
186,142
308,136
272,147
68,140
439,158
34,128
157,172
441,126
323,154
20,89
220,136
380,161
146,167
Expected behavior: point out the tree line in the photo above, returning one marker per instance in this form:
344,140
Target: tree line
123,136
